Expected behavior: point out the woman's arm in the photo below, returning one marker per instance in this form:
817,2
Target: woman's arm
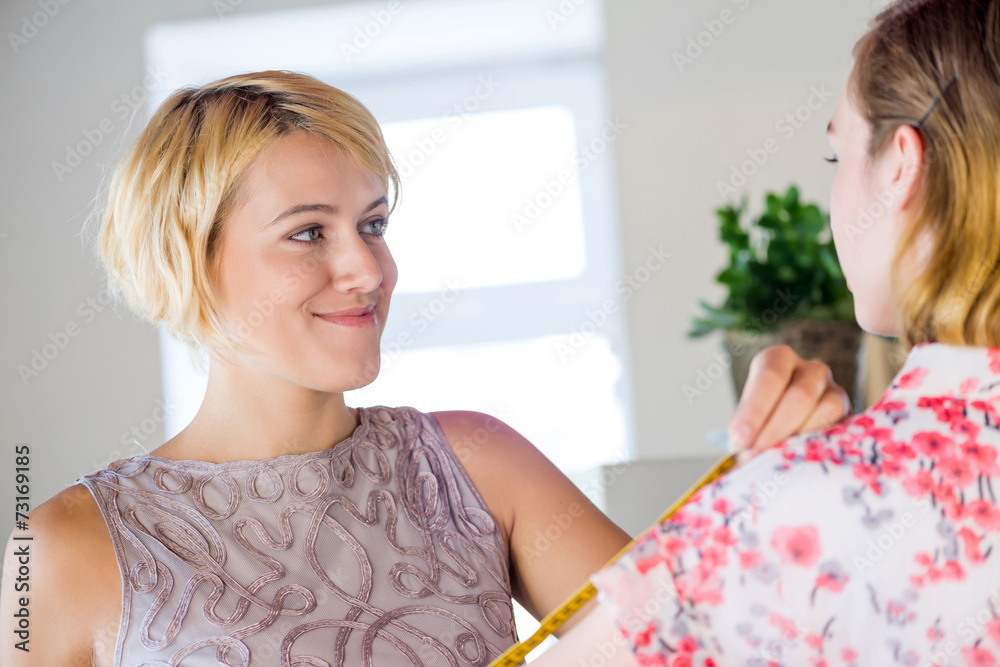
71,586
556,537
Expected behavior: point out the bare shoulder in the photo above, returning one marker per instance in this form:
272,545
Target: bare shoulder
556,537
491,452
66,576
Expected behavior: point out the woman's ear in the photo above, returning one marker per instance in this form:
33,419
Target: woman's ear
904,164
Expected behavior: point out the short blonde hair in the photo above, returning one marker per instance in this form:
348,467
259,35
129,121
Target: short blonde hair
939,61
158,234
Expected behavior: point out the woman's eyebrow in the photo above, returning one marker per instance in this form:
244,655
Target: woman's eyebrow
378,202
303,208
322,208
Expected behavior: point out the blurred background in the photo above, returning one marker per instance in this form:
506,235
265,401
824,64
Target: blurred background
562,161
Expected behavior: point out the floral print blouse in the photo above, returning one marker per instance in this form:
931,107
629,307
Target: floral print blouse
874,542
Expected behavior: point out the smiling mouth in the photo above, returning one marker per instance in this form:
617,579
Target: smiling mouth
360,317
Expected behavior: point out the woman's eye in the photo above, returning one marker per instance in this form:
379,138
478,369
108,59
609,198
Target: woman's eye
832,160
375,227
307,232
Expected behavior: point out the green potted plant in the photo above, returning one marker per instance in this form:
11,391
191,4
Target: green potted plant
785,286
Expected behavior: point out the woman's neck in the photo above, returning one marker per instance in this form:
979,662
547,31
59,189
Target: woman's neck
250,415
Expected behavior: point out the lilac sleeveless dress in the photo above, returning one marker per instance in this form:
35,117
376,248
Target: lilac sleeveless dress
378,551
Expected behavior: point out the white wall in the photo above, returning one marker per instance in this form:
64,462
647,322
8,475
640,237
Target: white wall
685,131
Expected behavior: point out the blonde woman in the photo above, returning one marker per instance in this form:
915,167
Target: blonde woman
282,527
877,541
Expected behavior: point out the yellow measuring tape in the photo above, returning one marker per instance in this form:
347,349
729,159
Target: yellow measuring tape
515,654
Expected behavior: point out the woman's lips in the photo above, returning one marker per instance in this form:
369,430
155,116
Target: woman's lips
356,317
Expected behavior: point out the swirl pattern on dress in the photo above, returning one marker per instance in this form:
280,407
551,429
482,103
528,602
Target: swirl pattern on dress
377,551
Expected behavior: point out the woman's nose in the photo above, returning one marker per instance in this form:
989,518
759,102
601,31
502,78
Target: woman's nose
353,265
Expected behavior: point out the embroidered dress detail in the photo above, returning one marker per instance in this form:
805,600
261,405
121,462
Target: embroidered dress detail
377,551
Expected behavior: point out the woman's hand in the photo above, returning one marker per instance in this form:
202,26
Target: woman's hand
784,395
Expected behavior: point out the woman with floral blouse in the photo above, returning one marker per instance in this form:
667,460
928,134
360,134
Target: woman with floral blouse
876,541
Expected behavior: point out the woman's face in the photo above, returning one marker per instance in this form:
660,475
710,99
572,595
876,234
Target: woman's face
307,242
867,206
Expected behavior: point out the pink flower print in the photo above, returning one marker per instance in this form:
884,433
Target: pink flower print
682,660
817,451
750,559
673,546
866,472
722,535
787,628
889,406
699,522
970,542
993,630
956,472
978,657
687,645
994,355
952,506
723,506
953,570
797,544
965,427
881,434
898,449
644,565
645,637
969,385
892,469
848,654
933,444
934,634
983,457
984,514
919,483
832,577
646,660
913,379
814,641
714,557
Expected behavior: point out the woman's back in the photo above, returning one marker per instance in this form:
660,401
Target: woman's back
879,537
376,551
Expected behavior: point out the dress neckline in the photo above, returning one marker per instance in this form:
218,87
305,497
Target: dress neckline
359,433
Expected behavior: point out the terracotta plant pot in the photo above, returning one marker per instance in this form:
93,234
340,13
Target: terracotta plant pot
837,344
